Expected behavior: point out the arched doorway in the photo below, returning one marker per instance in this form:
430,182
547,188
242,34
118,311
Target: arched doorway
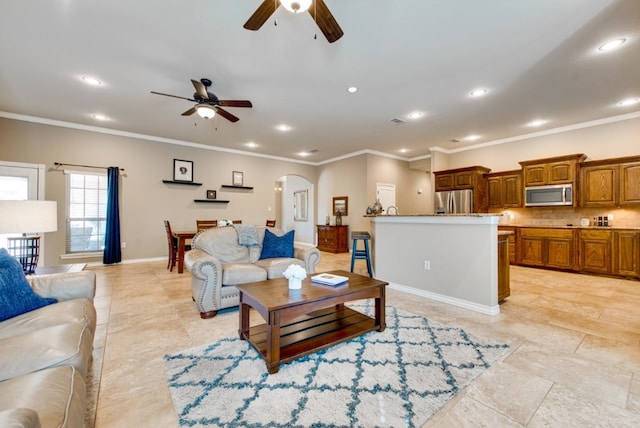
295,209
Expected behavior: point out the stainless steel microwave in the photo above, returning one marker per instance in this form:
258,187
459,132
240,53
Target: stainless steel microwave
547,196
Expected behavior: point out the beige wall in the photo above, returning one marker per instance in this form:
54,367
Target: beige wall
145,200
597,142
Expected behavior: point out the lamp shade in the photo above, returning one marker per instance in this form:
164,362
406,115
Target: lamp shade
28,216
205,111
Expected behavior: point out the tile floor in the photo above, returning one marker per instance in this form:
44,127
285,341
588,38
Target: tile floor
574,359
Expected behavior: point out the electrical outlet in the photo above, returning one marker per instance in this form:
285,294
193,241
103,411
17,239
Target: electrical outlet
123,245
427,265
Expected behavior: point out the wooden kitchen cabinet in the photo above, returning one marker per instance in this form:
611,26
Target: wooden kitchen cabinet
547,247
333,239
596,250
610,182
599,185
627,253
556,170
504,189
504,289
512,242
630,183
472,177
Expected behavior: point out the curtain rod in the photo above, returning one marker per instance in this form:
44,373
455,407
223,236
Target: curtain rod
83,166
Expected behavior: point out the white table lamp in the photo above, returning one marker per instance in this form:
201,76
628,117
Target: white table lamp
27,217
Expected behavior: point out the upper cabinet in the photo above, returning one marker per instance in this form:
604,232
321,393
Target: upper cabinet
460,178
556,170
473,177
505,189
610,182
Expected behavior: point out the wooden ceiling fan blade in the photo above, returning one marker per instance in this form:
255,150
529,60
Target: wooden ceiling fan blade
172,96
189,112
200,89
235,103
226,114
260,16
325,20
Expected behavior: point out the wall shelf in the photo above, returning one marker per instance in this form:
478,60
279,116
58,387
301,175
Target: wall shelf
187,183
229,186
212,201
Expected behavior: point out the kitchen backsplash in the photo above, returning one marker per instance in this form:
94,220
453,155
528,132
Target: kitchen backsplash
563,216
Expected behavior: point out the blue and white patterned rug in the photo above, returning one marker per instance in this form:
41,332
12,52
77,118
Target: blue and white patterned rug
398,378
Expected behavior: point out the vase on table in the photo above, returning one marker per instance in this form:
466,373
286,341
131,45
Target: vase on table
295,284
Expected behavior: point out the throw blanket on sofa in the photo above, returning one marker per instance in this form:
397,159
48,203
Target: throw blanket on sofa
247,235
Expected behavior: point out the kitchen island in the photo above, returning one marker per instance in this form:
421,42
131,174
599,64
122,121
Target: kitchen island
448,258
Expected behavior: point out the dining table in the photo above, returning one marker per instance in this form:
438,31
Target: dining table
182,236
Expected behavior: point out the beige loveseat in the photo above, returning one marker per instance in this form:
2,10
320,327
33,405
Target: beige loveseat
218,262
45,355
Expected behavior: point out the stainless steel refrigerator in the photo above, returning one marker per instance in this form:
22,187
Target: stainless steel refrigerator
454,202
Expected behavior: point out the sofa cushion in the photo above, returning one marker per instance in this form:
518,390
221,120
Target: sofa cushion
275,246
77,310
222,242
16,295
241,273
67,344
19,418
57,395
275,267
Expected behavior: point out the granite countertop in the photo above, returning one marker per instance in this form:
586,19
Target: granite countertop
570,226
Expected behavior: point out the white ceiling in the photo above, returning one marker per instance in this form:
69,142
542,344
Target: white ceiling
536,57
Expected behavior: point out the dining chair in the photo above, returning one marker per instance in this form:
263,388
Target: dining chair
206,224
271,223
172,242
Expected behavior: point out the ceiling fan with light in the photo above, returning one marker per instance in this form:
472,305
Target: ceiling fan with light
207,103
316,8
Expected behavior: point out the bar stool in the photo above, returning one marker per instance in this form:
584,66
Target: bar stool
361,254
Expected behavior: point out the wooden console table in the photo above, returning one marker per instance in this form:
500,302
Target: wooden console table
333,239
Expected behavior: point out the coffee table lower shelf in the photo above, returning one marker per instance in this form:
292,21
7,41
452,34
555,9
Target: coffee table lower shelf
312,332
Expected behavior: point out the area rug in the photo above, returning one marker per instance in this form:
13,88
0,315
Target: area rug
396,378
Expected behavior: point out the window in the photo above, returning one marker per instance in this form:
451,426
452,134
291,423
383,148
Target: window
86,211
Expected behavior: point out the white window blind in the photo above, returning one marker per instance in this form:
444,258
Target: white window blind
86,196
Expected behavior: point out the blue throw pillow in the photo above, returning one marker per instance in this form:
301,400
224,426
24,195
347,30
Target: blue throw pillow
277,246
16,295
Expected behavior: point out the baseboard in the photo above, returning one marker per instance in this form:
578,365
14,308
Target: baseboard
488,310
132,261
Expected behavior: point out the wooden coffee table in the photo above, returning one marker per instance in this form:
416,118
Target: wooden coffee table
301,322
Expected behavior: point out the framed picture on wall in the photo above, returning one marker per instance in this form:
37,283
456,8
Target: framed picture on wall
341,205
182,170
237,178
211,194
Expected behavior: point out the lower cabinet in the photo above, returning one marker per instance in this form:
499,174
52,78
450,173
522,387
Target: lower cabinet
627,253
554,248
596,251
600,251
333,239
512,242
504,290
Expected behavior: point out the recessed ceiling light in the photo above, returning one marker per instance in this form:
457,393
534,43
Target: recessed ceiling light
415,115
283,127
304,154
252,145
537,122
352,89
472,137
91,81
98,116
612,44
478,92
629,102
403,150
